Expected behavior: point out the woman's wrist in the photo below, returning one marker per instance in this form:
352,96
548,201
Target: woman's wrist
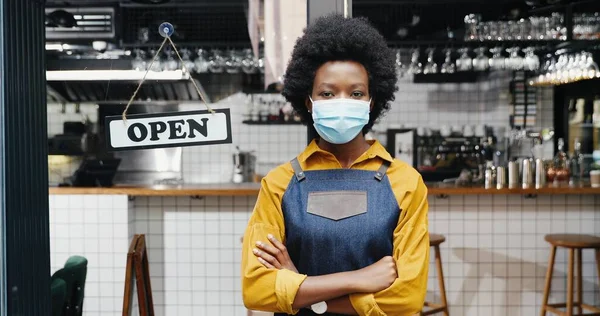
353,281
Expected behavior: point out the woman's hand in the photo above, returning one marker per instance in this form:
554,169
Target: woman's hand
376,277
274,255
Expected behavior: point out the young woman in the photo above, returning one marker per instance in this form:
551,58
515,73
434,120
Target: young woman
342,228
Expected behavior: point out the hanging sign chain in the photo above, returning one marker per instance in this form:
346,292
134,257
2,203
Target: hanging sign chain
166,29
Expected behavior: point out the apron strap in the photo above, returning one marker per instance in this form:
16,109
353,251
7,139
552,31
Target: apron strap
382,170
298,170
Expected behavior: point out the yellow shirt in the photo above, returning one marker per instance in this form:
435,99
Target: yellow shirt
275,290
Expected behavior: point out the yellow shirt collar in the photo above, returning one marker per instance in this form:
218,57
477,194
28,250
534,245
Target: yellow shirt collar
376,150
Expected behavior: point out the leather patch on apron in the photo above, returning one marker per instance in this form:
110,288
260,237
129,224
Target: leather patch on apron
337,205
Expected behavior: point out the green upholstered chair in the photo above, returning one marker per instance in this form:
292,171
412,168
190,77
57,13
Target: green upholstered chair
74,274
58,291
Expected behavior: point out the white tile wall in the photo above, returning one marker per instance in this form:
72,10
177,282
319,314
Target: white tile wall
194,252
95,227
494,259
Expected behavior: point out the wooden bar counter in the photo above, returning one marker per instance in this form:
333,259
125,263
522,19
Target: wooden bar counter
251,189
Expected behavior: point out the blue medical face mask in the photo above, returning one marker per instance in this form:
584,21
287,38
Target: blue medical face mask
338,121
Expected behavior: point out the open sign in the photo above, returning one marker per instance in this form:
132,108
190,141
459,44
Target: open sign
174,129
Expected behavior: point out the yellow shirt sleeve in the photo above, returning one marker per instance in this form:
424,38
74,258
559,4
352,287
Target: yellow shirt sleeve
265,289
411,252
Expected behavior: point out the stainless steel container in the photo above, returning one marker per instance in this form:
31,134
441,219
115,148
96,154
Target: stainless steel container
244,166
489,178
528,174
500,178
513,175
540,174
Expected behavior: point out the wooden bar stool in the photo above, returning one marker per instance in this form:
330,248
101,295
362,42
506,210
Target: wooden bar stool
575,243
434,241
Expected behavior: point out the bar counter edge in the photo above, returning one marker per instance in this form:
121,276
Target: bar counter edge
251,189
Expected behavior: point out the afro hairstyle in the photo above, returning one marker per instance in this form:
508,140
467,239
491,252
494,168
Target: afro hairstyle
335,38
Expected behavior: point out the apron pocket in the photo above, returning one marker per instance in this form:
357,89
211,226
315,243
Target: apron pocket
337,205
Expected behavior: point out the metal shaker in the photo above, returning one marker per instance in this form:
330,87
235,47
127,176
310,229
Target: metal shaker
513,175
540,174
500,178
528,174
489,178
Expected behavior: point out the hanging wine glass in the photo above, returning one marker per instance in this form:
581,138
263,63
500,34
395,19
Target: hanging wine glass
448,67
249,62
531,61
481,61
430,67
233,63
464,62
201,61
139,63
170,63
497,62
400,66
514,60
188,64
261,65
415,66
591,67
216,62
157,65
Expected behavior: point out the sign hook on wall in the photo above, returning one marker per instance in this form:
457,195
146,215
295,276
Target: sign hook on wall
174,129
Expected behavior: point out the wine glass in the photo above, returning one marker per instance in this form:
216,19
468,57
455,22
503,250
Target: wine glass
531,61
514,60
139,63
233,63
201,62
400,66
448,67
216,62
464,62
171,63
415,66
188,64
157,65
430,67
481,61
497,62
249,62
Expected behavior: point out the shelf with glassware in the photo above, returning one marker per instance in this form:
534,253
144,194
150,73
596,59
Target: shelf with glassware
506,45
269,109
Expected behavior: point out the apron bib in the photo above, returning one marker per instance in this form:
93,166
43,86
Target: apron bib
338,220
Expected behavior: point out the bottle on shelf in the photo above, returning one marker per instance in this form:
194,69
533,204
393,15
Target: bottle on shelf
576,164
561,164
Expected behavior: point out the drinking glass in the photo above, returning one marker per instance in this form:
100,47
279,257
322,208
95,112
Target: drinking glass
248,62
481,61
448,67
514,60
531,61
139,63
233,63
188,64
201,61
170,63
157,65
464,62
216,62
497,61
415,66
430,67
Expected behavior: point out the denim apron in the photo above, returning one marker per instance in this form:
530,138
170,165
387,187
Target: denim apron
338,220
